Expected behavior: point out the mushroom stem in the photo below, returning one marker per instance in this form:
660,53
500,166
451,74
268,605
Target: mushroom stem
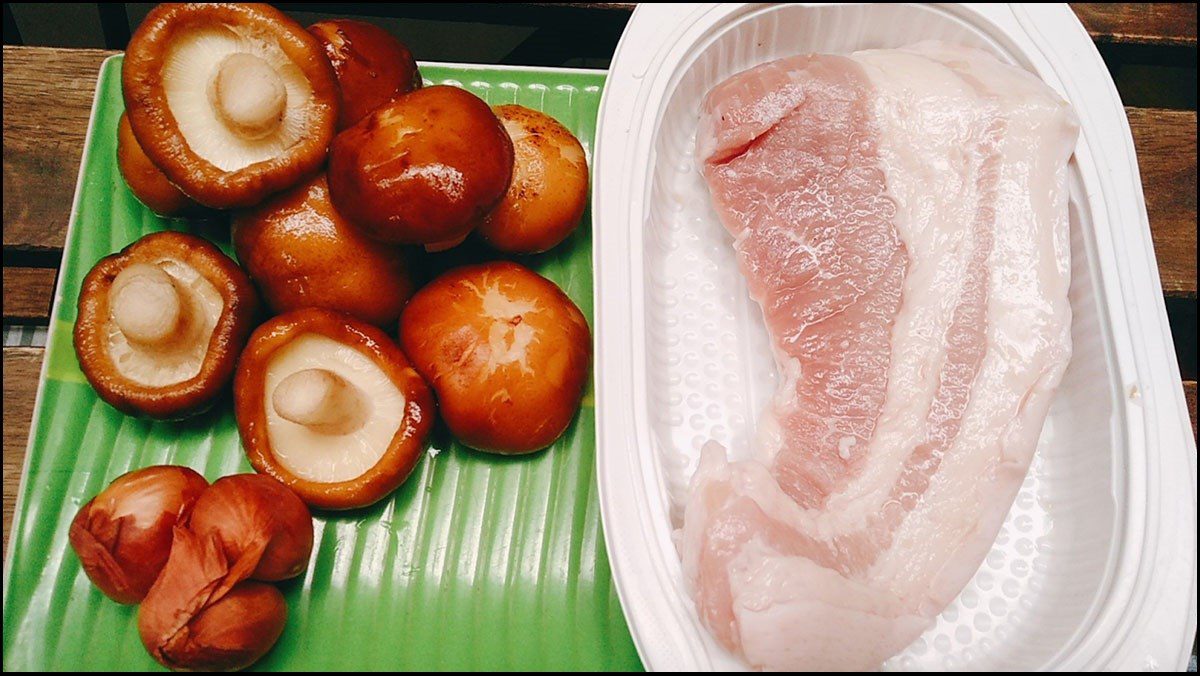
248,95
146,305
322,401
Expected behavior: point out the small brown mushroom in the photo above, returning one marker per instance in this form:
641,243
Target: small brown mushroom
146,181
506,351
422,169
302,253
549,188
372,66
231,101
330,406
160,324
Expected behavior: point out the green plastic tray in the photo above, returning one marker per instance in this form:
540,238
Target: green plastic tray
477,562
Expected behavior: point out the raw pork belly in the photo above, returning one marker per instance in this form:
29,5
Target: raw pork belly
901,217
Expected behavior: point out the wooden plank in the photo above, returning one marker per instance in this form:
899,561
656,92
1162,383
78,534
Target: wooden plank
22,366
48,148
1189,393
1166,148
43,143
1156,23
28,294
47,99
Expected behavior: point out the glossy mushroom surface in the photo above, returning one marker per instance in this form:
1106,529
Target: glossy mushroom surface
160,324
372,66
301,253
146,181
422,169
231,101
506,351
330,406
549,188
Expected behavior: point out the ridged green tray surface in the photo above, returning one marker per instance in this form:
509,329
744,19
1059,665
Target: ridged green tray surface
477,562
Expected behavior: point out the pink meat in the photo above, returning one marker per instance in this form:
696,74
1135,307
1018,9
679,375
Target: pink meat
804,557
808,207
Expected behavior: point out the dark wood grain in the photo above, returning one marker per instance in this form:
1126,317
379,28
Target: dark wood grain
1189,393
21,368
1157,23
47,99
43,143
1166,148
1160,23
28,293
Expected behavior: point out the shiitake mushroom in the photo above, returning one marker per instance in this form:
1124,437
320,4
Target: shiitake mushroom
301,253
549,188
372,66
231,101
145,180
160,324
422,169
506,351
330,406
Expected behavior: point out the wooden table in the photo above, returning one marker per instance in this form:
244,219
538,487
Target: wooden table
48,95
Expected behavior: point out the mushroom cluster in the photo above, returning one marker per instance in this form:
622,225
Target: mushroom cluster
343,173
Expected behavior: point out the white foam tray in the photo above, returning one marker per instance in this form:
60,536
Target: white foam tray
1095,566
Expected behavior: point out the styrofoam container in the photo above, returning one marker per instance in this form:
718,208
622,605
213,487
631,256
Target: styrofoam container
1095,566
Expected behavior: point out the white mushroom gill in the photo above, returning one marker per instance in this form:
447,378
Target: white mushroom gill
161,319
233,126
374,410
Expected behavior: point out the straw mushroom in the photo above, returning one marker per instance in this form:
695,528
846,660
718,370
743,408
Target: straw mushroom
231,101
330,406
506,351
372,66
549,188
145,180
422,169
302,253
160,324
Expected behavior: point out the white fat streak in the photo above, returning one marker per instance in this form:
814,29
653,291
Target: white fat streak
190,65
943,540
928,121
323,457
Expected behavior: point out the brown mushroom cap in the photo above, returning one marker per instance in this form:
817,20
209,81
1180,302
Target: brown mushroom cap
549,188
506,351
231,101
145,181
302,253
372,66
330,408
162,305
422,169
